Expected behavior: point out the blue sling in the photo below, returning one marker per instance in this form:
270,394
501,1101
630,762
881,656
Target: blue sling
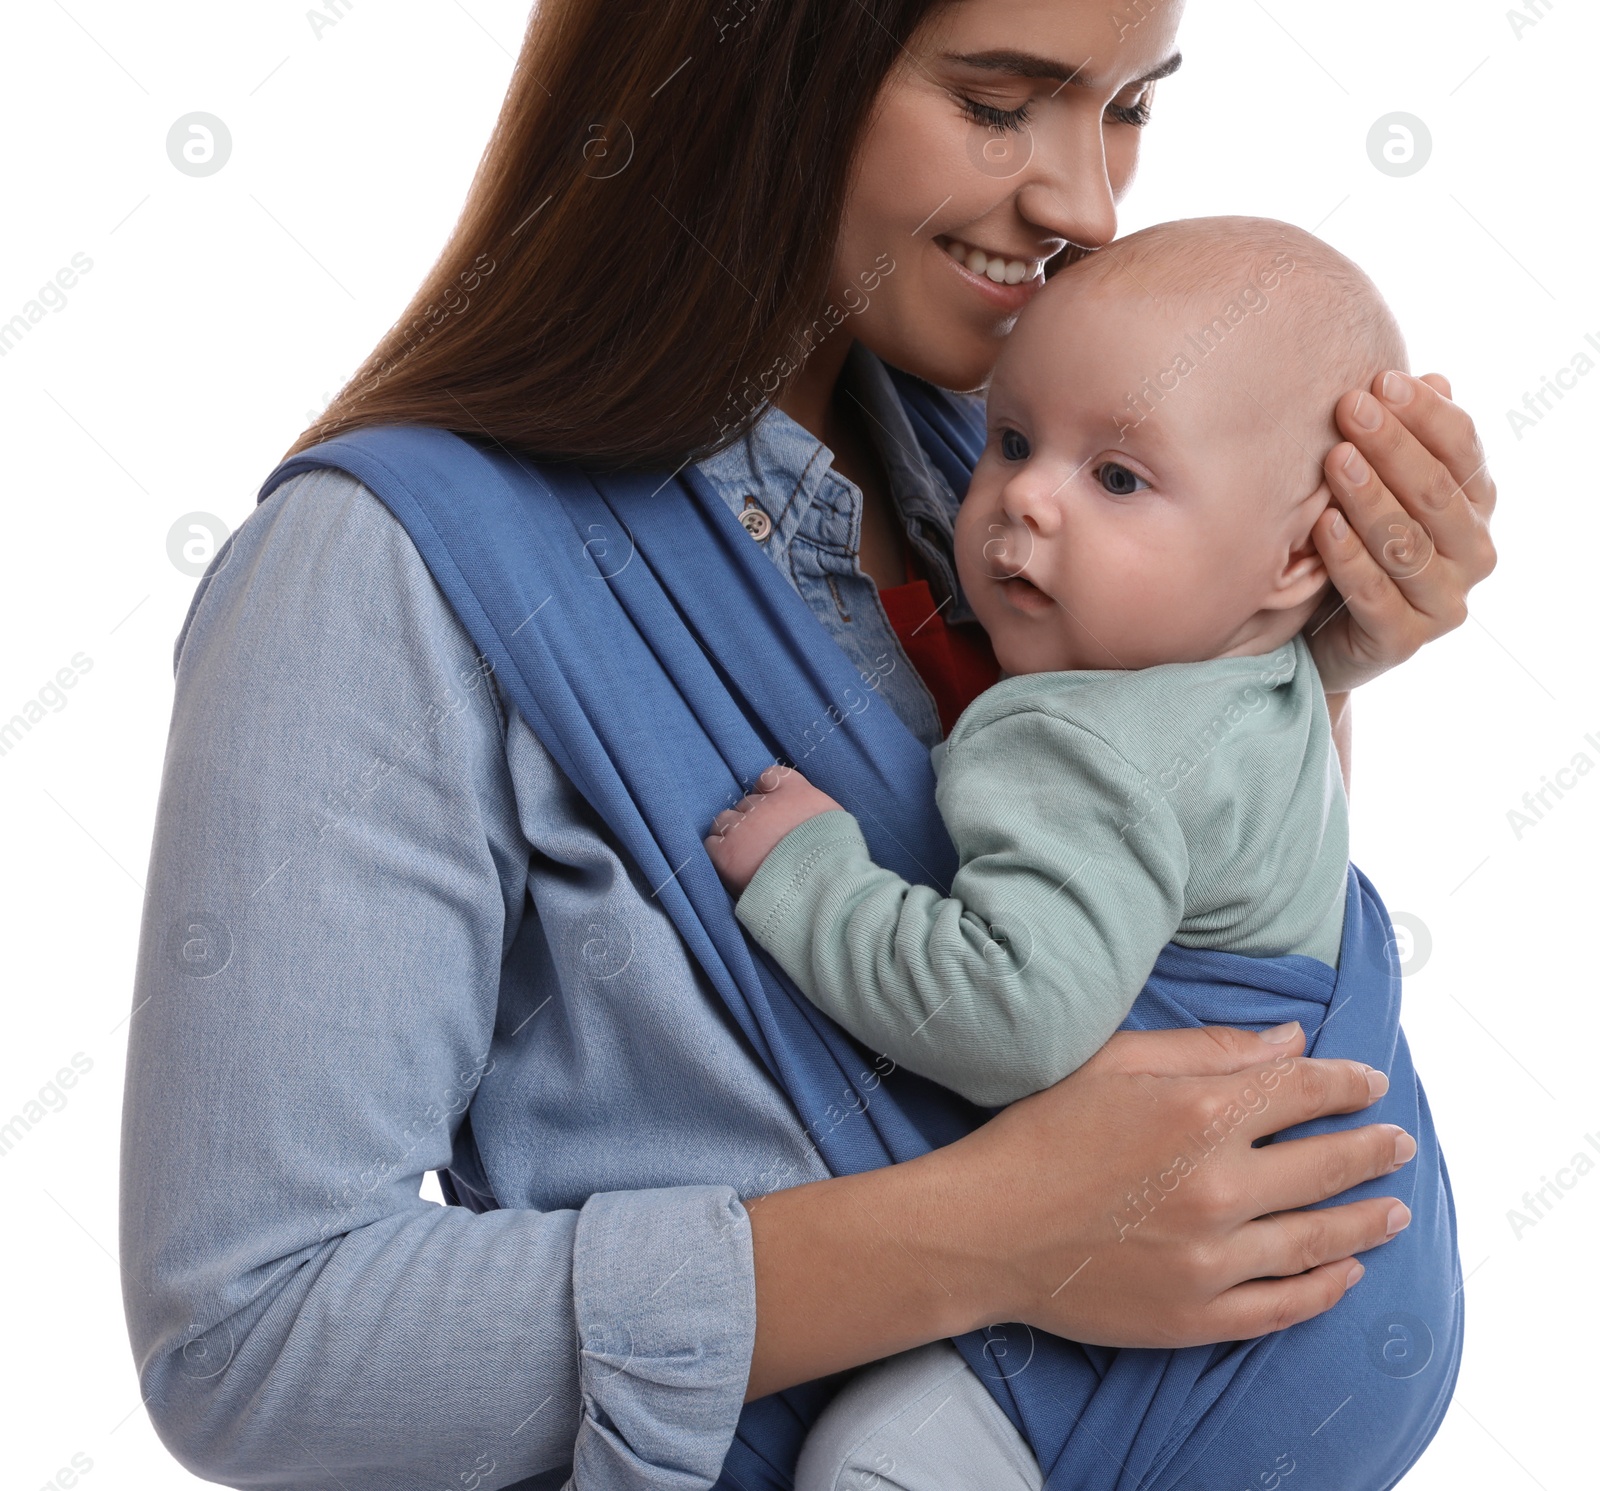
664,661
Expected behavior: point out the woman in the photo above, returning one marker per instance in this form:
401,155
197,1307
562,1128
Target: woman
386,935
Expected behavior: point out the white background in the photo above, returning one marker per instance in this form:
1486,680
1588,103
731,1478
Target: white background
222,312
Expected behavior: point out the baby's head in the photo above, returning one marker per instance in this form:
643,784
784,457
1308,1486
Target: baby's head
1158,419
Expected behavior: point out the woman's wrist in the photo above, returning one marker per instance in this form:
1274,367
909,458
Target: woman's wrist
856,1268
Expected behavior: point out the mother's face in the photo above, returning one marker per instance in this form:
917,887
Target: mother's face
1010,128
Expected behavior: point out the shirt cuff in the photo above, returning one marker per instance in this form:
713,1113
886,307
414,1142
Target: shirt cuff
776,906
663,1285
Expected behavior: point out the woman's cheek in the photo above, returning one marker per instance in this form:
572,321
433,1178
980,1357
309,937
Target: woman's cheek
918,154
1122,161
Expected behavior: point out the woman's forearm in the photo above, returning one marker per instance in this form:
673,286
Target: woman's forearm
996,1226
856,1268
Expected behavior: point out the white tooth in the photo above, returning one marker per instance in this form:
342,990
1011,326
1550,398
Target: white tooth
958,251
977,261
1016,271
996,270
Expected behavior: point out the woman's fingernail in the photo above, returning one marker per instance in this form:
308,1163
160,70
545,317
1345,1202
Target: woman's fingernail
1356,470
1404,1147
1366,413
1281,1035
1338,525
1397,388
1377,1083
1356,1271
1399,1217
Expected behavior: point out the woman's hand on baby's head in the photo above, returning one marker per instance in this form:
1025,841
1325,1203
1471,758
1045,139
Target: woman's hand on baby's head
742,836
1408,534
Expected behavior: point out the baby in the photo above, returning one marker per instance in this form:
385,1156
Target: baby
1156,764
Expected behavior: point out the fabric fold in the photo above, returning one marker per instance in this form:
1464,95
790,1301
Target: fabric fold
664,662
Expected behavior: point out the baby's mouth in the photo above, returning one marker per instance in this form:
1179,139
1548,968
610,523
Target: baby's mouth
1000,569
1022,592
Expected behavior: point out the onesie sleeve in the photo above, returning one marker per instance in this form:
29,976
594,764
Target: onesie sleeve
336,871
1071,881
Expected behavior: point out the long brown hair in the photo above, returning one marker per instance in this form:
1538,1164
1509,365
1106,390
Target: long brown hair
651,227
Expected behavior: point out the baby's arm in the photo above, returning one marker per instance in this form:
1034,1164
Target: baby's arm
1071,882
742,836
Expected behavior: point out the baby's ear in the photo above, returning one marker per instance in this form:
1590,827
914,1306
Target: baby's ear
1309,508
1302,575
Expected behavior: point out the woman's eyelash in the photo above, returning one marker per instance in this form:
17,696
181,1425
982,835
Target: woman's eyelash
1137,114
996,118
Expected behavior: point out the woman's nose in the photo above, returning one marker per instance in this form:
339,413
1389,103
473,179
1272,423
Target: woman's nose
1066,188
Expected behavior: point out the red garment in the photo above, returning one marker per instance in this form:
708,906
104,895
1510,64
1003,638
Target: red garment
956,662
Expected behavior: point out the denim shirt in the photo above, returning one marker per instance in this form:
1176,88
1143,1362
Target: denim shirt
385,935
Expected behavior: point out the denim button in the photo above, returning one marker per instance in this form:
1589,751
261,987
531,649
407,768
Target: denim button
756,522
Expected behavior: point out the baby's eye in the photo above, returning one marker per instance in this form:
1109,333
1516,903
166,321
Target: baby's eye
1119,481
1013,445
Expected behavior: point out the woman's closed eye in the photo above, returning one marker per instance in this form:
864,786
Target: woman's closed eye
1118,480
1137,113
981,113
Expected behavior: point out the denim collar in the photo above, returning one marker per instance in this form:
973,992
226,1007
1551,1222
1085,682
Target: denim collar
781,467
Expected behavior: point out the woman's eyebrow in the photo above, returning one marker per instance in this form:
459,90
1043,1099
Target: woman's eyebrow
1031,65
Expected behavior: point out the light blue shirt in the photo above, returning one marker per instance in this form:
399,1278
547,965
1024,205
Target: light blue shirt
381,938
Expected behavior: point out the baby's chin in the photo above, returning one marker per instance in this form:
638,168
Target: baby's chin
1066,655
1034,654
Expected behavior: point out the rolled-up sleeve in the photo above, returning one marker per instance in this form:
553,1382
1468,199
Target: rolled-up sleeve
660,1365
336,874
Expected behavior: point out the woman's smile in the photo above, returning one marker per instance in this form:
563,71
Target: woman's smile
1019,280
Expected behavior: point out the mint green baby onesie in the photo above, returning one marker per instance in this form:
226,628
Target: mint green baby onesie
1098,815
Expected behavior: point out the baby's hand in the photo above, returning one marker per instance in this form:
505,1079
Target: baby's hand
743,835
